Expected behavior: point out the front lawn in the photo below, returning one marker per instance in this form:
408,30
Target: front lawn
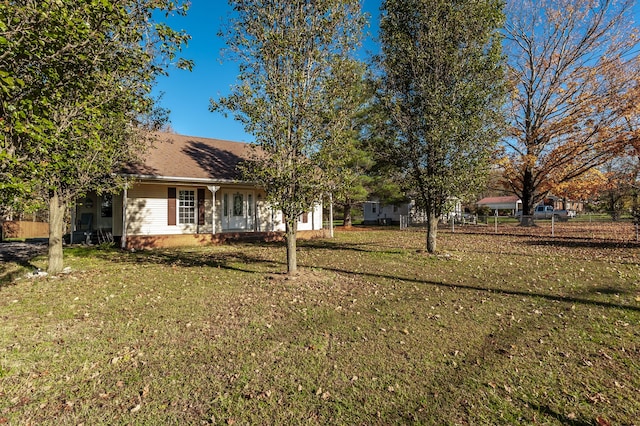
496,329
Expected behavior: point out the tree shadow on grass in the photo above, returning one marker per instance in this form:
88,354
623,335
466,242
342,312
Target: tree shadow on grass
579,243
372,247
492,290
232,259
228,259
547,411
15,260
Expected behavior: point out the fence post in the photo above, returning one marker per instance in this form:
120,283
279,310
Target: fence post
495,220
553,223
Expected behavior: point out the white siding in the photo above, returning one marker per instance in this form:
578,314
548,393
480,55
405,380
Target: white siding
314,219
147,209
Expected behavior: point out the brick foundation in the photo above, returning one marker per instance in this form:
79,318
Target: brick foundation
140,242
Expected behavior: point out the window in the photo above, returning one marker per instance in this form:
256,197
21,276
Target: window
250,205
186,207
106,205
304,217
238,205
373,207
225,205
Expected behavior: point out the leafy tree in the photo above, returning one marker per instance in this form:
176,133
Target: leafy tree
345,157
288,53
573,72
442,88
75,81
585,187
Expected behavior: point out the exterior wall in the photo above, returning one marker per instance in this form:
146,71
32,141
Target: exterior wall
147,212
378,213
310,221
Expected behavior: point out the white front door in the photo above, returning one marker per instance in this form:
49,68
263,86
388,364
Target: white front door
238,210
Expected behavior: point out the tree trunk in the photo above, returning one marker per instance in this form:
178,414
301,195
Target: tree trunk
291,234
527,199
56,226
432,232
347,222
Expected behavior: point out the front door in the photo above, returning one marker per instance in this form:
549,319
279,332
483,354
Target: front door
237,210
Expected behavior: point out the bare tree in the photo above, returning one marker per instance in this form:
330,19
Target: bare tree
573,70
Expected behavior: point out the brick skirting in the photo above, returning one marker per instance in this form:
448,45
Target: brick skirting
140,242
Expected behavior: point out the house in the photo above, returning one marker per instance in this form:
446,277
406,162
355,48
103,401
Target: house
510,202
513,204
187,191
378,213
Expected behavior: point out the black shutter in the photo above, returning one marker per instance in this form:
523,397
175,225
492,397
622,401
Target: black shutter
171,211
200,206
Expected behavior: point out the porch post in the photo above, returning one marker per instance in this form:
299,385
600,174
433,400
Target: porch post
213,190
74,214
123,238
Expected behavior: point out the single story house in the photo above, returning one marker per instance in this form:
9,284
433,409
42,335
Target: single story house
509,202
514,204
378,213
187,191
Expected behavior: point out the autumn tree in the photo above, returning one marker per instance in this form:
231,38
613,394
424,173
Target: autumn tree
288,52
442,89
75,82
572,68
585,187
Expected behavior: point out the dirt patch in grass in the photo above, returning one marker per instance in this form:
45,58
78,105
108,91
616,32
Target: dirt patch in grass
496,329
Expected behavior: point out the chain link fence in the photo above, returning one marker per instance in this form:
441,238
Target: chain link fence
585,226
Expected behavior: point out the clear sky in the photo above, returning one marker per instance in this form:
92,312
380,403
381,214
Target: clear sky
186,94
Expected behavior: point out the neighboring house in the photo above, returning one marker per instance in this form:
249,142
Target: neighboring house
559,203
511,203
187,191
377,213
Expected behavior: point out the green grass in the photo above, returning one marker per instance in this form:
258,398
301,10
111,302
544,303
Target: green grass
496,329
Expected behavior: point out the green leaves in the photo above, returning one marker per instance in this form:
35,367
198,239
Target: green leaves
287,51
75,86
442,90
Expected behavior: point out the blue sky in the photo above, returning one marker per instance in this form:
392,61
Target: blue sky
187,94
